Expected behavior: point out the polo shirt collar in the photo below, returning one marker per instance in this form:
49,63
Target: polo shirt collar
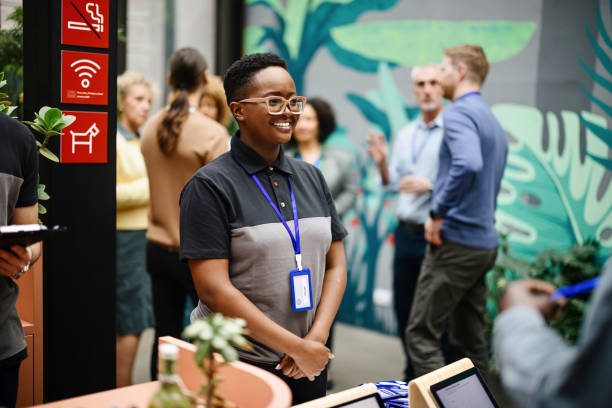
252,162
127,134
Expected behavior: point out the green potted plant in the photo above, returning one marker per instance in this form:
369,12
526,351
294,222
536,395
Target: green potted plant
212,335
561,268
48,122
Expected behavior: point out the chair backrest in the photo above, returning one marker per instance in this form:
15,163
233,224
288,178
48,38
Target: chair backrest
243,384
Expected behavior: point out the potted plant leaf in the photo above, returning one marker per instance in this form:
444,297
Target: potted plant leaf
212,335
48,122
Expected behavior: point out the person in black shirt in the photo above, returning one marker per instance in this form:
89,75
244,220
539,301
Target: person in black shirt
18,205
241,256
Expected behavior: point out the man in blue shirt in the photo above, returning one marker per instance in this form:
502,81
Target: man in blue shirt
411,173
461,228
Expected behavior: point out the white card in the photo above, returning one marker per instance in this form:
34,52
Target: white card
301,290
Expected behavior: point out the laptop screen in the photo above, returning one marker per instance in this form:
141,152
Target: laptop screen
466,389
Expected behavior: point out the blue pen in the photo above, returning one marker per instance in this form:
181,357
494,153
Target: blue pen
572,290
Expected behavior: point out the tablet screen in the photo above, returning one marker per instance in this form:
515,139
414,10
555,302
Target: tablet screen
369,401
466,389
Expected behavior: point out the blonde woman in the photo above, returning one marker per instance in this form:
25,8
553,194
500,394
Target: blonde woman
214,105
134,304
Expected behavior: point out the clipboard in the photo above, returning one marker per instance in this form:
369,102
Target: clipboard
25,234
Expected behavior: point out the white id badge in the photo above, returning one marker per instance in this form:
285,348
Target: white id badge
301,290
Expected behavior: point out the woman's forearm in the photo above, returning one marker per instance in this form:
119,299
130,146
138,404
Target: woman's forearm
211,280
221,296
334,284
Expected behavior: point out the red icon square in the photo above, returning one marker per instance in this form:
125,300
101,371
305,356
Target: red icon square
85,140
84,78
85,22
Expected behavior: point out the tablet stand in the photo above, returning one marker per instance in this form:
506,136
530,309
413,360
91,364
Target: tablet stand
419,394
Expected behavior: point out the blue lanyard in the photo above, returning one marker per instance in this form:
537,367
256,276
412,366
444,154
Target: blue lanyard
417,153
465,95
294,240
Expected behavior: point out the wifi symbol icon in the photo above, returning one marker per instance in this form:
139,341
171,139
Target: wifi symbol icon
85,69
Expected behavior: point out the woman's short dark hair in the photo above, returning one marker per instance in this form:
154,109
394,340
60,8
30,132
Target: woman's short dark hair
325,116
239,74
186,72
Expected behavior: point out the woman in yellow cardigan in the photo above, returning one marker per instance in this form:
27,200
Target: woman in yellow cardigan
134,303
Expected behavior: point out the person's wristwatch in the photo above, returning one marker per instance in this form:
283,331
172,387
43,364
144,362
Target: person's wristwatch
21,272
434,215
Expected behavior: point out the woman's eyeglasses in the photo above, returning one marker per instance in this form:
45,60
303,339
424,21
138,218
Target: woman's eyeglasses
277,104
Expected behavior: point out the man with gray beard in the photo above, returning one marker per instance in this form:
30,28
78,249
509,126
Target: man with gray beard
411,172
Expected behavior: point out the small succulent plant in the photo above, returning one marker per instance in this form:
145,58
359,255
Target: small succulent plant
221,335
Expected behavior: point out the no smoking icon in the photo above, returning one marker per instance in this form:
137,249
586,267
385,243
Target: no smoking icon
85,22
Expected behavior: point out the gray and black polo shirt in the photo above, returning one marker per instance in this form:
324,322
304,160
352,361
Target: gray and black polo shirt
224,214
18,188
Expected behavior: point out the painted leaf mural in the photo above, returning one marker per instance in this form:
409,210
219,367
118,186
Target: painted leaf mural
605,59
371,223
304,26
556,188
383,40
551,196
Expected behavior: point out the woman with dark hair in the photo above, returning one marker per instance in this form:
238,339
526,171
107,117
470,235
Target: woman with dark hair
261,233
312,130
176,142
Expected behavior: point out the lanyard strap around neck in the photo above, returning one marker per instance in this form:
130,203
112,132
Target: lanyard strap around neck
416,152
294,240
465,95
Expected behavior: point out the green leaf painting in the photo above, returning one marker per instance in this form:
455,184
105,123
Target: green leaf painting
303,27
552,197
557,188
382,40
275,5
294,19
316,3
373,220
384,107
339,139
253,37
605,59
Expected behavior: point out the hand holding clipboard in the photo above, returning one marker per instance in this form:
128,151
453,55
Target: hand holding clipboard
15,254
25,234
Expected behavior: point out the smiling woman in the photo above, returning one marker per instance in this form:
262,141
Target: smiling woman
245,259
261,126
